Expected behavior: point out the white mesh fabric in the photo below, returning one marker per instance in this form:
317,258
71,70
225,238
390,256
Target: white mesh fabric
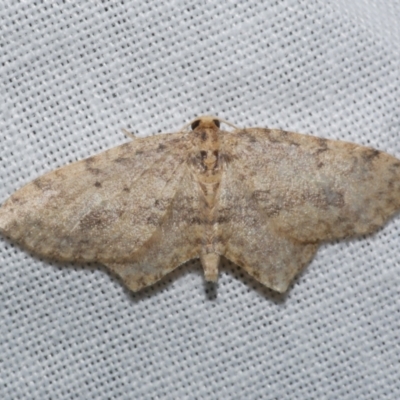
73,74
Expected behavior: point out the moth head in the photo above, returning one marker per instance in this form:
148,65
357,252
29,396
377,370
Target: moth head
205,122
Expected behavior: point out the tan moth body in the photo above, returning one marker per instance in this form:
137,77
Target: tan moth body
263,198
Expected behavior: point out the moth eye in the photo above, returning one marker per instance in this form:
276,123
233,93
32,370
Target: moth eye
216,122
195,124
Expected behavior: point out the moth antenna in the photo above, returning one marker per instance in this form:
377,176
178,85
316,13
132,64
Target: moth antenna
224,121
128,134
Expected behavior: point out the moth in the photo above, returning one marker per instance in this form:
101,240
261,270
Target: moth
263,198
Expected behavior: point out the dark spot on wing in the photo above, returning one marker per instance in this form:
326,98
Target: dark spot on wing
43,183
90,160
284,133
225,158
154,220
323,144
122,160
126,146
89,168
38,183
368,155
269,204
59,174
324,198
161,204
223,219
247,135
251,138
161,147
273,136
94,171
99,218
261,195
321,150
195,220
97,184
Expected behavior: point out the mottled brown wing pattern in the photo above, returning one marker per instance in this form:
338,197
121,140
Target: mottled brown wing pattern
263,198
247,236
317,189
295,191
103,208
177,239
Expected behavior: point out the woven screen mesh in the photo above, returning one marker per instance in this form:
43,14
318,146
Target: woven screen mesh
73,74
